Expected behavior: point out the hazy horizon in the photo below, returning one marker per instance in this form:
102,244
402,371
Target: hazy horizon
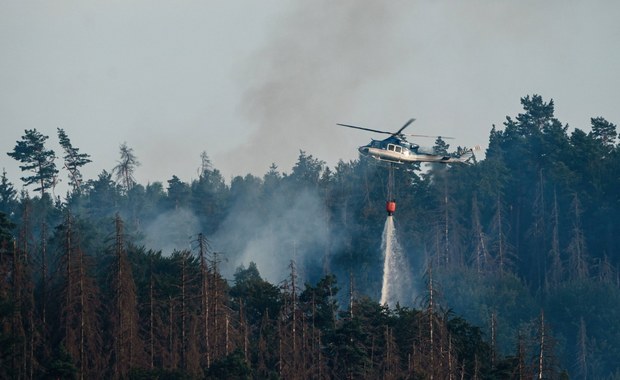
253,83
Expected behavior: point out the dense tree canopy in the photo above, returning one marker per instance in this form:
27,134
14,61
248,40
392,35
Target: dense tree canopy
278,276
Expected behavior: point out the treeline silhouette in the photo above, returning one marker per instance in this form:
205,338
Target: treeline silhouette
515,257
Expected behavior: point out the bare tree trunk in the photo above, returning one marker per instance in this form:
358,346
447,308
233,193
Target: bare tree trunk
215,314
493,338
450,369
582,351
578,260
83,307
481,251
151,316
446,232
431,317
500,241
18,330
538,232
541,355
127,352
521,368
171,340
119,348
294,314
245,333
44,277
24,330
183,310
500,237
556,270
204,300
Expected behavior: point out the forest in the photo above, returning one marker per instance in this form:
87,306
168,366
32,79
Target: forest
514,257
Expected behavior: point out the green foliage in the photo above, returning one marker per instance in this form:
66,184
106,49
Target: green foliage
320,303
256,296
73,160
8,199
6,227
62,366
231,367
531,227
158,374
605,133
178,193
307,170
596,304
31,152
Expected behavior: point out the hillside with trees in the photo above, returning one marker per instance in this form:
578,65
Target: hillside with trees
515,259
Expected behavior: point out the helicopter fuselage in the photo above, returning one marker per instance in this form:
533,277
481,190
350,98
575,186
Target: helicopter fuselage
396,148
399,151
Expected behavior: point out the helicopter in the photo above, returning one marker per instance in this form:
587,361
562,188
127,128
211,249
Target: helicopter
397,150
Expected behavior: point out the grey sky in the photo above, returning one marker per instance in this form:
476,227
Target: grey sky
252,82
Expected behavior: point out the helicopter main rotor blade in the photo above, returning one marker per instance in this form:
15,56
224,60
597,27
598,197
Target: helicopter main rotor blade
433,137
403,127
365,129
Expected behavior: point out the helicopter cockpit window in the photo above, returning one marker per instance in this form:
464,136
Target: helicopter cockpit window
395,148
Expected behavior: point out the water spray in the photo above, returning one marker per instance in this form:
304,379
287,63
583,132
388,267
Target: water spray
397,282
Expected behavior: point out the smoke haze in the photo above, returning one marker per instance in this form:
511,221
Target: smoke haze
250,83
321,56
171,230
274,232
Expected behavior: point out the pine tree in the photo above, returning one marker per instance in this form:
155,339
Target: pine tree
31,152
24,324
537,233
125,168
556,269
219,324
73,160
482,258
604,132
178,193
203,247
391,360
8,195
7,301
290,327
126,345
79,304
546,363
583,351
578,258
499,234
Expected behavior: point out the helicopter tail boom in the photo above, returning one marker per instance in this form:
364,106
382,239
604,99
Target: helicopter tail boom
466,156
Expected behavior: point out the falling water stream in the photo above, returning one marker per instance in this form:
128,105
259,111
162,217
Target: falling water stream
397,284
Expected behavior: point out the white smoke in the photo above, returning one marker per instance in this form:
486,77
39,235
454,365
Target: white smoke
171,230
274,232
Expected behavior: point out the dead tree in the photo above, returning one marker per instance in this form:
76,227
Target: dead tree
578,256
127,347
556,270
203,247
481,251
79,305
